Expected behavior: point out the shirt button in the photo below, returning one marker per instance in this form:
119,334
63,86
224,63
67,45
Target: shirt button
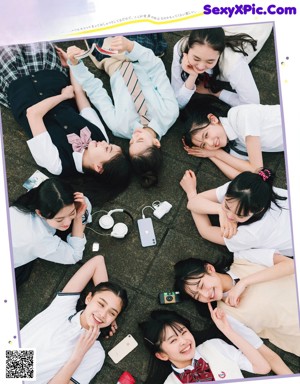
41,93
65,126
54,115
32,76
35,81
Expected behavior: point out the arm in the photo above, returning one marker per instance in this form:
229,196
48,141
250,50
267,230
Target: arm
93,87
203,204
283,266
230,165
276,363
259,364
183,90
84,343
94,269
36,112
242,81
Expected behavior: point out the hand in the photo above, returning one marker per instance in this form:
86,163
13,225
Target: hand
85,342
80,204
62,55
68,92
228,228
189,183
113,329
186,66
233,296
206,91
219,318
121,43
199,152
72,52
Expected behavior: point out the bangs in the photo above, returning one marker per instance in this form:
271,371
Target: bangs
176,327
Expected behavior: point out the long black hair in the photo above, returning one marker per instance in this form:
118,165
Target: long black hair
147,166
49,198
218,41
254,193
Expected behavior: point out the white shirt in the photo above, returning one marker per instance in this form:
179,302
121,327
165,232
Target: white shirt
46,154
259,120
121,116
233,66
273,230
54,337
227,353
33,238
257,256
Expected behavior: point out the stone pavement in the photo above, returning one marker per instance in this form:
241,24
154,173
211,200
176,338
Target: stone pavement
142,271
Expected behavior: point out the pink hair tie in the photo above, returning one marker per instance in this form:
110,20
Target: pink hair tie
264,174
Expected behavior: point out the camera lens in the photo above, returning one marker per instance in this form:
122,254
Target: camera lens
169,298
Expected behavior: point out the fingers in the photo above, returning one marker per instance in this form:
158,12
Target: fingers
72,52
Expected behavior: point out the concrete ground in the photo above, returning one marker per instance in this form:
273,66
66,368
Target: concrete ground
142,271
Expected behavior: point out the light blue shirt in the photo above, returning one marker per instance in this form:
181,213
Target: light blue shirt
33,238
122,117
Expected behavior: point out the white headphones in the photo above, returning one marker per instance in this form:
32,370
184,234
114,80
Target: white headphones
119,230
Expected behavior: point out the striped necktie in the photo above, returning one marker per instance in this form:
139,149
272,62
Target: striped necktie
132,83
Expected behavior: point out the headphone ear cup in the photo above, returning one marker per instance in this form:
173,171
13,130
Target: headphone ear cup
106,222
119,231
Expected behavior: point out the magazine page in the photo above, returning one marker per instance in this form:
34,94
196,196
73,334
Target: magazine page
152,146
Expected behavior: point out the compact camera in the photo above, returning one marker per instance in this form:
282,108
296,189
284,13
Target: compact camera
169,297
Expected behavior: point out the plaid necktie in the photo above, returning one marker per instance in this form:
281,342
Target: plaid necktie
135,91
201,372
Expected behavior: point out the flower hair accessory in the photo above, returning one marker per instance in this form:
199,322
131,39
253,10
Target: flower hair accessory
265,174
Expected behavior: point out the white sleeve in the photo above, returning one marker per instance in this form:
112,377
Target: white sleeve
182,93
232,353
90,365
258,256
221,192
53,248
246,332
242,81
90,114
45,153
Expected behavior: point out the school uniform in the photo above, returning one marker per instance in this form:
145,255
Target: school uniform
121,116
234,68
30,74
224,360
270,308
33,238
263,121
273,230
54,333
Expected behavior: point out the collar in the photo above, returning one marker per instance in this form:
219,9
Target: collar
235,280
228,128
78,157
75,319
181,370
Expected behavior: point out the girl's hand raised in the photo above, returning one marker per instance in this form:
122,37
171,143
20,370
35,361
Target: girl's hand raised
85,342
233,296
80,204
72,52
189,183
219,318
121,43
186,66
228,228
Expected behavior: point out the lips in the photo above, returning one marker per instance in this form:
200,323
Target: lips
98,320
186,349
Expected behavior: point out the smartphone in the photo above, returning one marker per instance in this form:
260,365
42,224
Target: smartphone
169,297
146,231
122,349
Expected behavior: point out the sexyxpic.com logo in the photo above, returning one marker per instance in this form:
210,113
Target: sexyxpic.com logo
244,9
